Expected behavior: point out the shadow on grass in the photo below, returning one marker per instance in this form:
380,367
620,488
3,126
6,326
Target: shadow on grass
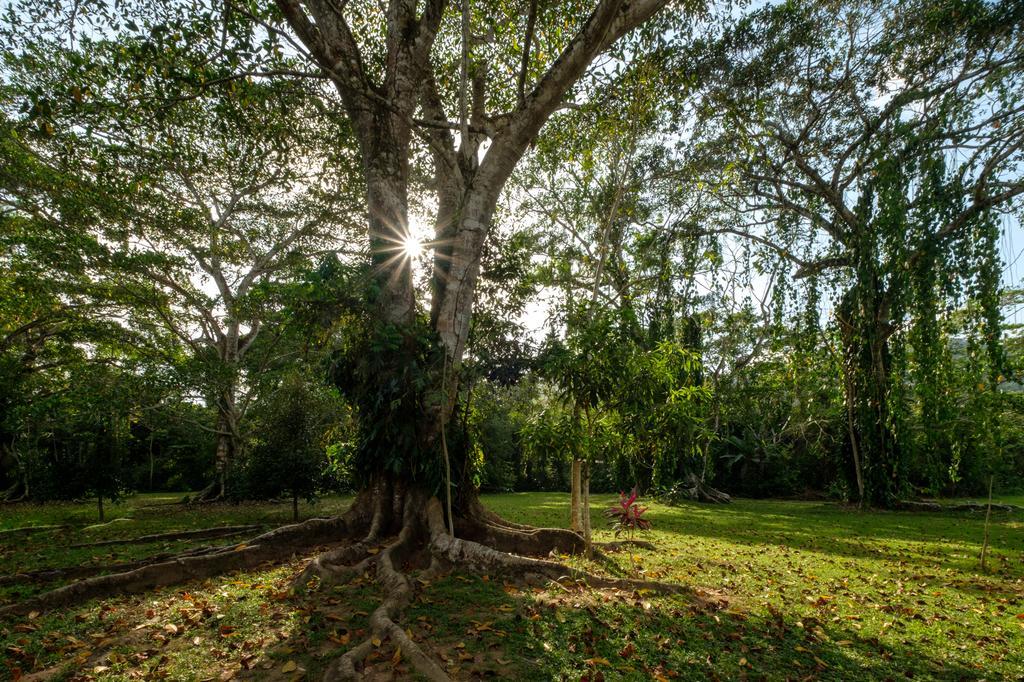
479,629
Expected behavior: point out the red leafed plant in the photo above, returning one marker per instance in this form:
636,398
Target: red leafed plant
627,516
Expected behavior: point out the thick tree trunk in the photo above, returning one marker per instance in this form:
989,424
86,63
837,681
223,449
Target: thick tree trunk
226,450
874,446
228,425
386,169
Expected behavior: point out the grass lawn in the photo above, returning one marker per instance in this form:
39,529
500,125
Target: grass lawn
791,590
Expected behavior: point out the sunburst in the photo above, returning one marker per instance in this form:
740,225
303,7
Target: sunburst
412,247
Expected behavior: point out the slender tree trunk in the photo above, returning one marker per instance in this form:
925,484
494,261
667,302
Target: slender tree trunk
295,506
849,369
99,507
586,507
574,509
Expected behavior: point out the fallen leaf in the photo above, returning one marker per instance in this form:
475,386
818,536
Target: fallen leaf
290,666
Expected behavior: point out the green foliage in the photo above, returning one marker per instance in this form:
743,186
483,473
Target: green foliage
637,409
550,440
78,440
389,374
847,172
298,427
171,180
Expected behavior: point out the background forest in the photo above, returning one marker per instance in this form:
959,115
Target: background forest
765,251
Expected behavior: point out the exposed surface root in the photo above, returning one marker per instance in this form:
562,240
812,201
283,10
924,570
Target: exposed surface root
273,545
423,525
400,531
11,496
616,545
478,511
335,567
535,541
922,506
30,529
692,488
200,534
46,575
485,559
382,621
214,492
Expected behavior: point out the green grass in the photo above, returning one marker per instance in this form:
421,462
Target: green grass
791,590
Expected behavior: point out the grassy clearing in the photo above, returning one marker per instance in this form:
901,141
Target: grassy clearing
814,591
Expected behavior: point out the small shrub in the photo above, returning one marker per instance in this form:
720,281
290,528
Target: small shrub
627,515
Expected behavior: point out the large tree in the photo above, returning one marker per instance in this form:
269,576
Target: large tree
456,94
396,86
222,192
877,151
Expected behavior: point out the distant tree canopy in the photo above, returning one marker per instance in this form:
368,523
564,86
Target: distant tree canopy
873,145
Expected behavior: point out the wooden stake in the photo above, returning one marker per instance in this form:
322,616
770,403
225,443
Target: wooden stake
575,517
988,515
